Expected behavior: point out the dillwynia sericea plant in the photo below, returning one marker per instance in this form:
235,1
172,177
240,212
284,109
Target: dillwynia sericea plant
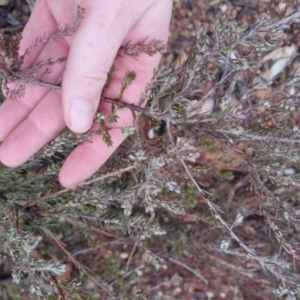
218,99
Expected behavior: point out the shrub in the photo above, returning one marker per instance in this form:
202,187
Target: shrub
225,154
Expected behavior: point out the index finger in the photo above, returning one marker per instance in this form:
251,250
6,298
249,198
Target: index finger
88,157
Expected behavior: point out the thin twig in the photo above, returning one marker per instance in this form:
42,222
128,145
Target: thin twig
57,87
129,273
58,287
115,242
131,255
55,194
82,268
247,137
35,201
125,105
106,221
185,267
250,252
111,174
126,275
290,18
234,268
81,224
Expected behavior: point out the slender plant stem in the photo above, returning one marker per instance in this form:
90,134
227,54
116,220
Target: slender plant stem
82,268
111,174
247,137
186,267
131,255
250,252
98,230
57,87
284,21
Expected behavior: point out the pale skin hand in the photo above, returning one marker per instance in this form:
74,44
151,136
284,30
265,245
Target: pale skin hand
33,121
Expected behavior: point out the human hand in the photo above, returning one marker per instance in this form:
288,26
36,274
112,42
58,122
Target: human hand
33,121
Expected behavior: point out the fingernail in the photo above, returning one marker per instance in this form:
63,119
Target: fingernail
81,115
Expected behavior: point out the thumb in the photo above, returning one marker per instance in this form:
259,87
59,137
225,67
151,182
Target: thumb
92,53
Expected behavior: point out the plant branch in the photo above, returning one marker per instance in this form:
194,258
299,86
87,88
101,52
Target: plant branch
131,255
98,230
57,87
82,268
250,252
287,20
111,174
185,267
247,137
